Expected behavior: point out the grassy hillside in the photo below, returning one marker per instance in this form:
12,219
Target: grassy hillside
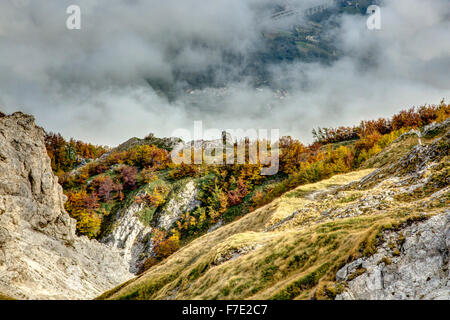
292,247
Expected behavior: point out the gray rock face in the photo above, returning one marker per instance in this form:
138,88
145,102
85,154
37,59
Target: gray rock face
435,126
40,255
130,236
411,264
27,184
185,201
134,239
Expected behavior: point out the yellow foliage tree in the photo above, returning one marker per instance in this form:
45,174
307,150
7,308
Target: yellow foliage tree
81,207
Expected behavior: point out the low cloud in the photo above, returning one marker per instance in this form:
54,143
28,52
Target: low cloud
93,84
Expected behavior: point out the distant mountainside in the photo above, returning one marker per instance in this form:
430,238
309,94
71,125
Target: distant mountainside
307,40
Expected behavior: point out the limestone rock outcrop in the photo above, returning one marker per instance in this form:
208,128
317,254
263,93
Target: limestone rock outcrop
412,264
40,255
134,238
185,201
130,236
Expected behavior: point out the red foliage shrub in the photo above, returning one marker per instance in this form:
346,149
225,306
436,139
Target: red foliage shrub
235,196
128,176
406,118
106,188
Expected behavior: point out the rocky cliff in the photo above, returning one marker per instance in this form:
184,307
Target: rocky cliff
134,238
130,236
40,255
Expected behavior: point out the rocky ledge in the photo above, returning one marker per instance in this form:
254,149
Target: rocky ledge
410,264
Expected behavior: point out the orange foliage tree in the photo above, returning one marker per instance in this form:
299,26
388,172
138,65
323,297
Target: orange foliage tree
82,207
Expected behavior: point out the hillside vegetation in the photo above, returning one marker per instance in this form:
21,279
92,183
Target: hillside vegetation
140,174
292,247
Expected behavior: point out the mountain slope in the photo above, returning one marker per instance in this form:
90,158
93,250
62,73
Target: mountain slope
293,247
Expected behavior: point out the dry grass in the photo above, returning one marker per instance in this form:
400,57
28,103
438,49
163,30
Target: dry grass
304,195
287,264
393,152
5,297
293,247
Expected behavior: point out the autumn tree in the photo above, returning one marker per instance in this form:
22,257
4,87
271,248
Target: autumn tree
167,246
106,187
183,170
406,118
163,247
128,176
147,176
154,199
236,195
66,155
81,206
147,156
293,152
